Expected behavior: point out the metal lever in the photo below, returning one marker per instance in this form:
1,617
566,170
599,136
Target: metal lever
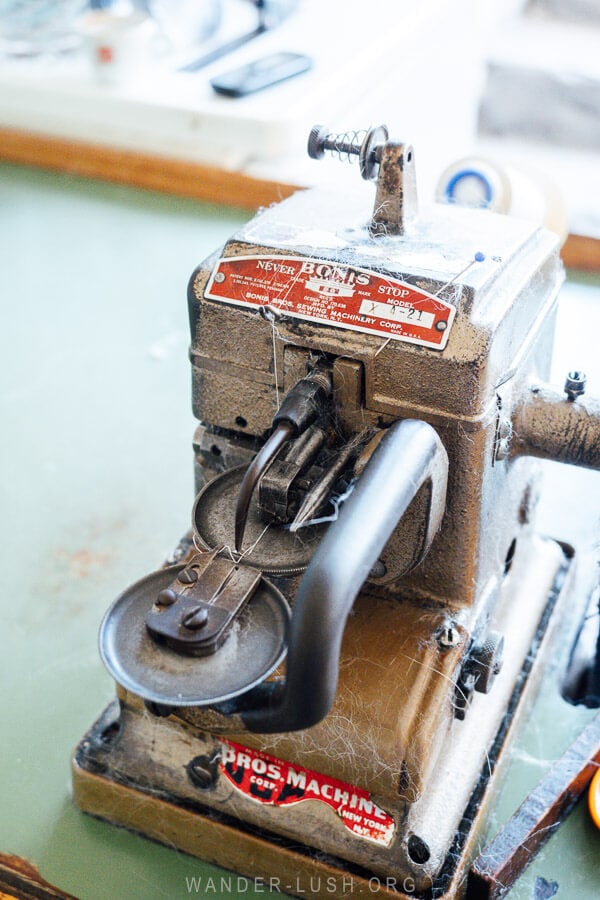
548,425
408,456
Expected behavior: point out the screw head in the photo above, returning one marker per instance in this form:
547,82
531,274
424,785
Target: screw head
316,141
188,576
202,772
449,637
378,570
202,776
575,384
195,618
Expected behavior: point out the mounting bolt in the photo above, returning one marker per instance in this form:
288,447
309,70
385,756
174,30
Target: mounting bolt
195,619
418,850
368,150
575,384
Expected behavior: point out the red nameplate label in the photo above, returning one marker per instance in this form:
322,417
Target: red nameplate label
266,779
335,294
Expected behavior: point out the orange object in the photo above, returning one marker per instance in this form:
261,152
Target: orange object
594,798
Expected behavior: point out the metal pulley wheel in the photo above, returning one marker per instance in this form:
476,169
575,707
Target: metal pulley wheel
159,674
278,551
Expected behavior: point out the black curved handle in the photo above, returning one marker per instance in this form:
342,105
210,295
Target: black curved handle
409,455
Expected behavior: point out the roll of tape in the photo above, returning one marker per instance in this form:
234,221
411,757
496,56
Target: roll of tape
484,184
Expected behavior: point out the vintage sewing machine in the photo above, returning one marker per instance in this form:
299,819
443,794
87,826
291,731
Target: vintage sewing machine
319,684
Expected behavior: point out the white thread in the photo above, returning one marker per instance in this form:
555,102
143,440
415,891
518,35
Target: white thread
336,502
270,315
238,557
385,343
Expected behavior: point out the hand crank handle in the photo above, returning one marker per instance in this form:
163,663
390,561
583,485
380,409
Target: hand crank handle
408,456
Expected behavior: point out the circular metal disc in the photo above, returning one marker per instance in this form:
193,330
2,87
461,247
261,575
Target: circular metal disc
252,650
278,552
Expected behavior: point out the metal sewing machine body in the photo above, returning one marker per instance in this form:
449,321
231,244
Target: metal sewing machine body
393,372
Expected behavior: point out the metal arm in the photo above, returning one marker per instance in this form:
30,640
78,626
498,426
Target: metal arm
409,455
550,426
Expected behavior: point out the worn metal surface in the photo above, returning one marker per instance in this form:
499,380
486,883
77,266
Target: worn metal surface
276,486
390,163
500,300
196,613
549,425
396,198
364,725
381,636
266,868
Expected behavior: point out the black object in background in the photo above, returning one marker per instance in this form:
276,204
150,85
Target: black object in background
270,14
261,74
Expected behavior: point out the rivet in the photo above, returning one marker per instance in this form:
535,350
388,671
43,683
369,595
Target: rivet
378,570
166,598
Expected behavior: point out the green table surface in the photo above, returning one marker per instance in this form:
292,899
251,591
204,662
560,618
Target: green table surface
96,489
